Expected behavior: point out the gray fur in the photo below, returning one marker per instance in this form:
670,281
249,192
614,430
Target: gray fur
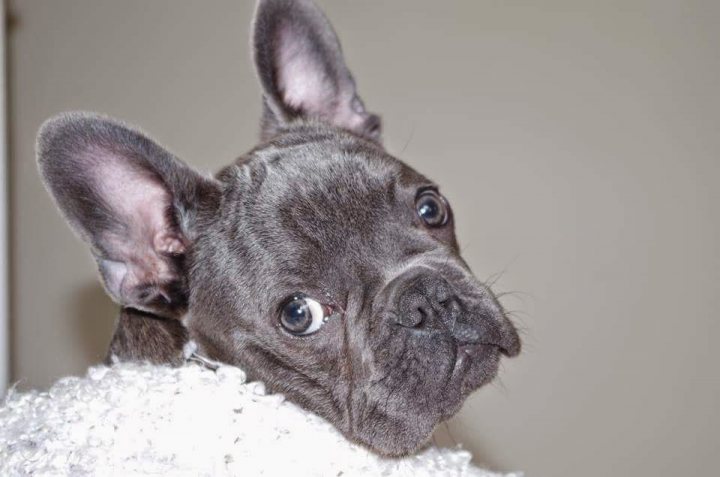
318,208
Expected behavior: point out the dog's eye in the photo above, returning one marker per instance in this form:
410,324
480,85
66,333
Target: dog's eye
431,208
302,315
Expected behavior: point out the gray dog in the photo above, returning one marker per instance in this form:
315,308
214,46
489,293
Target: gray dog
317,262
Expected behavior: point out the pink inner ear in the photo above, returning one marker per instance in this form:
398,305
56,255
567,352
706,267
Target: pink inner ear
139,202
305,84
302,79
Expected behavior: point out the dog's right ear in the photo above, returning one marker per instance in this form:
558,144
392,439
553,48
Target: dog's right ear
302,70
133,202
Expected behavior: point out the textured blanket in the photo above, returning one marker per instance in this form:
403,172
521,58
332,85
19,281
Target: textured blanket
132,419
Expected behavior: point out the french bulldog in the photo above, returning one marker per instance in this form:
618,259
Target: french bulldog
317,262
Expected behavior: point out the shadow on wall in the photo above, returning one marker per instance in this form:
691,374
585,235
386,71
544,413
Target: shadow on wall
95,316
446,436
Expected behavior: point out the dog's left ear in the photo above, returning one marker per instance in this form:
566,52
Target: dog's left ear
302,70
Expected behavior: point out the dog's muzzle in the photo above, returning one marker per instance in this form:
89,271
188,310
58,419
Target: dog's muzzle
424,301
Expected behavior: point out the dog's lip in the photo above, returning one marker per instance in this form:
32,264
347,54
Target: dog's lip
476,349
481,350
467,353
508,345
508,341
511,344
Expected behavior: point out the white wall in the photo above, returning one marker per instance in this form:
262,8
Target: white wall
577,140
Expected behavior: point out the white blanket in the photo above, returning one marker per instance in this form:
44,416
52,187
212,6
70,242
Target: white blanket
132,419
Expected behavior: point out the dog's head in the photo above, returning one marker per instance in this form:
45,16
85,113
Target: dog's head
318,262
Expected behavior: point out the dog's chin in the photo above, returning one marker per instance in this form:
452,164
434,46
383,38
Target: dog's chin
406,426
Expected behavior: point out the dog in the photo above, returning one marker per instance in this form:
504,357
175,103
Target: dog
317,262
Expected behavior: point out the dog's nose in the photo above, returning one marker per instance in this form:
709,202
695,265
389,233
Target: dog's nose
427,302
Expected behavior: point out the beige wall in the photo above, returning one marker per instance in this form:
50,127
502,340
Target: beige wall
578,141
4,211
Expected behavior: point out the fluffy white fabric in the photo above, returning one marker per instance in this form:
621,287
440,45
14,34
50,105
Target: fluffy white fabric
132,419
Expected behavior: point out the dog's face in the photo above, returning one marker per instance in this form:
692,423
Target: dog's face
339,267
318,262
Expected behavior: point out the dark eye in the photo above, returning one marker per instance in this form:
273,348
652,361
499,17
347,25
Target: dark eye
431,208
302,315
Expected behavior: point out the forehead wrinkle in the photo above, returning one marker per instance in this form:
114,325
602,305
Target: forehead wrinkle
424,259
331,174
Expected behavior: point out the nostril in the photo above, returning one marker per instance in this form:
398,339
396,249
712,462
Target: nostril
411,318
451,307
414,311
421,315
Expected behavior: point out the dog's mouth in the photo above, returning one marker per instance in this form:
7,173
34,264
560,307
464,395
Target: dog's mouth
482,357
477,362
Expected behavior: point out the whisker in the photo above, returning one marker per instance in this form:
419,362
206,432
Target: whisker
513,293
407,143
498,384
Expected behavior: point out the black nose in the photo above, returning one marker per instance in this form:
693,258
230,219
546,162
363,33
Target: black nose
427,302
